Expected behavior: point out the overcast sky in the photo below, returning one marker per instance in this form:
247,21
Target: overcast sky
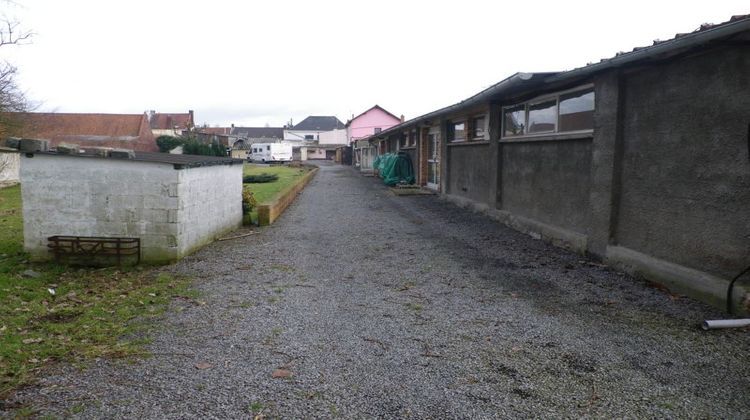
257,63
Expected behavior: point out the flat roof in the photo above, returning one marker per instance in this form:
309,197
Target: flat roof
179,161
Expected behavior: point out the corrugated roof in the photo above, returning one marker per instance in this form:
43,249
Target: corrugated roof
518,82
703,35
319,123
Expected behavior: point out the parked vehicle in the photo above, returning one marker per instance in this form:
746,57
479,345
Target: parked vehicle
271,152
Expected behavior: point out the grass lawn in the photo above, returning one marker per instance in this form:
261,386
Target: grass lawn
94,312
267,192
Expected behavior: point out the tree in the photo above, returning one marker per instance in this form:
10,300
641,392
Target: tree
12,99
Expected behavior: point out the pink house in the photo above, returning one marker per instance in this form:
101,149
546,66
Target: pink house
370,122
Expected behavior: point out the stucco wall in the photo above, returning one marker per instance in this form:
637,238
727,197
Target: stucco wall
172,211
469,172
333,137
365,124
210,204
9,167
548,181
685,191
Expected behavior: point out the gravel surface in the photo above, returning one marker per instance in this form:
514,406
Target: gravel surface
384,306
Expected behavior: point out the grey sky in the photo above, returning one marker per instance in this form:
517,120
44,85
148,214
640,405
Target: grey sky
252,63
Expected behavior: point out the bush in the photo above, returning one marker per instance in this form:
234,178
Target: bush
190,146
167,143
259,179
248,201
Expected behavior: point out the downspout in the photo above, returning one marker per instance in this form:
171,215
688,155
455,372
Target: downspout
729,323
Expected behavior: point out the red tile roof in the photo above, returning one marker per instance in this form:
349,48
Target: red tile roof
162,121
215,130
130,131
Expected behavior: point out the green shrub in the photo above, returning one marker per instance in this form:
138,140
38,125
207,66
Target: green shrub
190,146
248,201
167,143
259,179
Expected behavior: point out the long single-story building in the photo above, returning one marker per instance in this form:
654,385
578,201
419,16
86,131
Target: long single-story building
640,159
173,204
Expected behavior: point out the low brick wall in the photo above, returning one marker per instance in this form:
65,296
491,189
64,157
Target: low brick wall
268,213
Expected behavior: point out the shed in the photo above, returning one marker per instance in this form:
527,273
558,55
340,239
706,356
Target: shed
173,203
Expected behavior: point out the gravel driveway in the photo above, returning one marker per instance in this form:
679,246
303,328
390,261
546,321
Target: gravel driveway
384,306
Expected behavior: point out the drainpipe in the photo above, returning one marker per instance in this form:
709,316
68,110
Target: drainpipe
728,323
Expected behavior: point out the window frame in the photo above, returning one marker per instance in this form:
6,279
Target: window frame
541,99
451,130
474,125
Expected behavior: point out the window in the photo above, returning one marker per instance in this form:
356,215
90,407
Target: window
255,150
560,113
542,117
577,111
309,137
404,140
477,128
268,147
377,130
514,121
413,138
456,131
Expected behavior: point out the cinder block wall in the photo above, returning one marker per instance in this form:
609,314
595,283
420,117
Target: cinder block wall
174,212
9,167
65,195
210,204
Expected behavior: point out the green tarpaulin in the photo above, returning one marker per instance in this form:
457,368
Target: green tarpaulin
394,168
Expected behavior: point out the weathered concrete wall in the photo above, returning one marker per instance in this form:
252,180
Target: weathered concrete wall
548,181
210,204
76,196
10,163
469,171
172,211
686,172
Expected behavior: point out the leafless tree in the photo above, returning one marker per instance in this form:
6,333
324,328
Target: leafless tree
12,99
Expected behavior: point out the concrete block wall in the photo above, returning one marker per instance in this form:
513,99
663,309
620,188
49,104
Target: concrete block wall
9,168
65,195
174,212
661,188
210,204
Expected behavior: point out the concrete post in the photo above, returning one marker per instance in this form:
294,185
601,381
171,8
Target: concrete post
494,160
606,161
444,156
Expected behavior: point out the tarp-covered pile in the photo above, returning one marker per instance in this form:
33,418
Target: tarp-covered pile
394,168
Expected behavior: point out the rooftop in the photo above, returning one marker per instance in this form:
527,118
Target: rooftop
319,123
179,161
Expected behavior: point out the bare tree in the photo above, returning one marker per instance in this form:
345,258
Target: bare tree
12,99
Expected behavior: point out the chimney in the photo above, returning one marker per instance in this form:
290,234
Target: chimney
402,118
191,123
232,125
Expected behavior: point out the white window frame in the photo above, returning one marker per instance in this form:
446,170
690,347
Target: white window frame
474,128
539,99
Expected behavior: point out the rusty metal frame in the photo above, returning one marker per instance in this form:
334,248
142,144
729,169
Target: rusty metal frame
92,247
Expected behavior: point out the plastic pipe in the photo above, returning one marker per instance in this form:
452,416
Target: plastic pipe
725,323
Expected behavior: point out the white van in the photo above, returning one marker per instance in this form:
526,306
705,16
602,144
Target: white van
271,152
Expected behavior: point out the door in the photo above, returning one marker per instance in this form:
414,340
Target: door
433,161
